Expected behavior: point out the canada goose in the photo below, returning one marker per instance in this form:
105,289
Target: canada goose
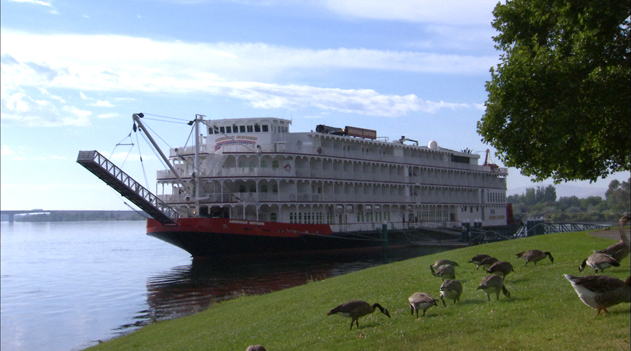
355,309
421,301
255,348
598,261
624,235
451,289
443,262
601,291
534,256
445,271
488,262
477,260
618,250
501,268
493,284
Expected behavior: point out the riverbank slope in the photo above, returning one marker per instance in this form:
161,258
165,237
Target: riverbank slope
543,312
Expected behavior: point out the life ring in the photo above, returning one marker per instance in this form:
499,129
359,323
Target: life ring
287,167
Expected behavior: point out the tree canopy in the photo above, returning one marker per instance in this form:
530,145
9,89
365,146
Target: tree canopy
559,100
543,202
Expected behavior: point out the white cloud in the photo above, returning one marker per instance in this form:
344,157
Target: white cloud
52,96
115,59
453,38
7,151
101,103
124,157
47,4
20,108
128,64
452,12
36,2
109,115
362,101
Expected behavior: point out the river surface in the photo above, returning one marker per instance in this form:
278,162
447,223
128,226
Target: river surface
66,286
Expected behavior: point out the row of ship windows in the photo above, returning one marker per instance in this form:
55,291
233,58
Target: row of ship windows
264,189
318,218
373,216
310,218
246,129
276,165
496,197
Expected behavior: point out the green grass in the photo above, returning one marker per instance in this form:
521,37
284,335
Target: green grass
543,313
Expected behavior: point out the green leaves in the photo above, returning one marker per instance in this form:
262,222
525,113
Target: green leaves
558,104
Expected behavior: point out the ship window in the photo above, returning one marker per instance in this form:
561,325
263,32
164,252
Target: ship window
263,188
253,188
242,188
235,129
222,130
275,164
273,217
275,188
265,128
241,164
242,129
263,164
228,129
210,130
250,129
257,128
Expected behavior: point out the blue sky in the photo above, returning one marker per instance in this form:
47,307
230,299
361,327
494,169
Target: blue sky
73,72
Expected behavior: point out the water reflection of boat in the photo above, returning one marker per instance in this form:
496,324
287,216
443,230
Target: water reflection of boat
185,290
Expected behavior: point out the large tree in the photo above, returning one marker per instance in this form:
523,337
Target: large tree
559,101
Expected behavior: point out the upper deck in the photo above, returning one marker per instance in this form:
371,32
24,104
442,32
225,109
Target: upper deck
272,135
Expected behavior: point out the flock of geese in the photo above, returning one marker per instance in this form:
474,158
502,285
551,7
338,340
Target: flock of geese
596,291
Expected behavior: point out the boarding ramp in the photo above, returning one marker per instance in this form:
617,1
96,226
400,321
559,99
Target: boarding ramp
125,185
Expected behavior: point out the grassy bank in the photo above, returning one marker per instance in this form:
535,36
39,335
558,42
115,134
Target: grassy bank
543,313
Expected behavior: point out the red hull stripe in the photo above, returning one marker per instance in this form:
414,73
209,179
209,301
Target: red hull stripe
238,226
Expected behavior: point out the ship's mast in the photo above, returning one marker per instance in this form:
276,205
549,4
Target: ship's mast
137,117
198,119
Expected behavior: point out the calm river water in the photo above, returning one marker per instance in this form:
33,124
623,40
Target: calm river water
67,285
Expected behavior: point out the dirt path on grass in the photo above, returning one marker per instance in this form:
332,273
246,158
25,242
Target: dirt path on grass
613,233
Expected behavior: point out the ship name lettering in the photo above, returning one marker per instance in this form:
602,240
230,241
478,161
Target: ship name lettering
238,137
237,221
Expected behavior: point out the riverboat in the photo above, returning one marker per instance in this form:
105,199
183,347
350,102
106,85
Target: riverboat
253,186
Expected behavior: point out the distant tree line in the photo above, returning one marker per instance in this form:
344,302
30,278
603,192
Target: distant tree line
62,216
542,202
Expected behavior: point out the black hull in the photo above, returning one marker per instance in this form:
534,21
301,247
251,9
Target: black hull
209,245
